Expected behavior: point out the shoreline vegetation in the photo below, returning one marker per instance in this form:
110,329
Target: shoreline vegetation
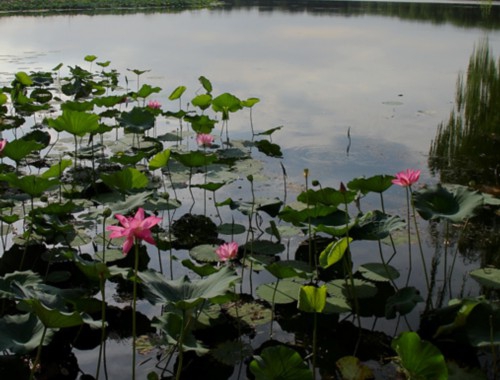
14,6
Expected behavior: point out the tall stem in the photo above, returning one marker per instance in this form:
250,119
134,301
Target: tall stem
134,307
409,235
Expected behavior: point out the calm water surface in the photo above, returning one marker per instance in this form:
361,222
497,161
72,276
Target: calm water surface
389,80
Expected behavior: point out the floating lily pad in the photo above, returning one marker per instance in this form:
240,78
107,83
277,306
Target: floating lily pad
403,302
204,253
231,352
488,277
378,272
351,368
252,313
282,292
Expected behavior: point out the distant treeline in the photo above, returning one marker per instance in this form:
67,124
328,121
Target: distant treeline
481,13
95,5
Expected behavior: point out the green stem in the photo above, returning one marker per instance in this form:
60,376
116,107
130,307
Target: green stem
103,324
315,344
424,265
134,307
409,235
38,354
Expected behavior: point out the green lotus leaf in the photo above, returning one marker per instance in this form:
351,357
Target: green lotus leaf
231,352
159,160
263,247
252,313
194,159
376,225
41,95
268,148
250,102
202,101
177,93
138,120
226,103
231,229
77,106
378,272
312,299
454,203
210,186
126,179
75,122
20,148
403,302
184,293
147,90
337,305
326,196
201,123
289,268
281,292
204,253
172,325
202,271
25,278
269,132
280,362
342,288
351,368
376,184
56,170
23,78
488,277
420,359
32,185
334,252
483,325
207,85
22,333
108,101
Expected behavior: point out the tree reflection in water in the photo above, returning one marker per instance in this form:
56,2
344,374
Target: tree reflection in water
466,151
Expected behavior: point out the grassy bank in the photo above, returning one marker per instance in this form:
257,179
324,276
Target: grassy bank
93,5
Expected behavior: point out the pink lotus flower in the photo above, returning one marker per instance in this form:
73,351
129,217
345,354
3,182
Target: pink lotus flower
406,178
204,139
134,228
227,251
2,144
154,104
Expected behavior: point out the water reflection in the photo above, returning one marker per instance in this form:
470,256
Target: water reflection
466,149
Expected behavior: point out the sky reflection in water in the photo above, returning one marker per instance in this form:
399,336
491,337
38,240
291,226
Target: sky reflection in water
390,81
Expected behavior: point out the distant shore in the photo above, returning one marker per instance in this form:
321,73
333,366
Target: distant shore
96,5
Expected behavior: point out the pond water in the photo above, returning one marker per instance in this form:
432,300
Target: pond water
359,88
319,70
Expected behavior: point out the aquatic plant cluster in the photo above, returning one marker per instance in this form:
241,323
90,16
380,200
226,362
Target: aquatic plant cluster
92,178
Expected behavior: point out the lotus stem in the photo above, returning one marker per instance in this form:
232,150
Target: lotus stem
134,307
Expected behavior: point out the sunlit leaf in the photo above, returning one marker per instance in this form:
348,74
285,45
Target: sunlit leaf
177,93
421,359
312,299
279,362
159,160
75,122
334,252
